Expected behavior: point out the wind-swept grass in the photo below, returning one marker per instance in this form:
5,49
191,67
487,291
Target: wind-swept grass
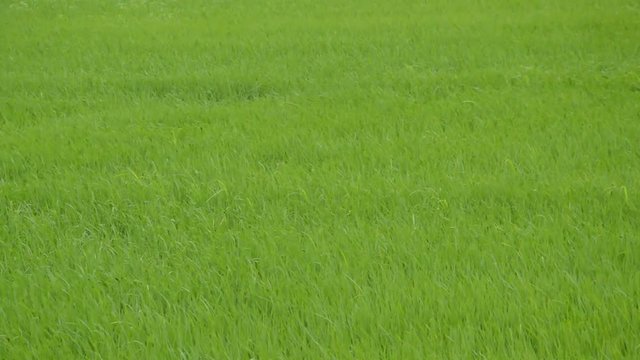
333,180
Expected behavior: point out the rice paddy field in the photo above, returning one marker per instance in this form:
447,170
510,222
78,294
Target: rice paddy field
354,179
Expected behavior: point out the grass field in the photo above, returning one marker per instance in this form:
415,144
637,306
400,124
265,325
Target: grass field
320,179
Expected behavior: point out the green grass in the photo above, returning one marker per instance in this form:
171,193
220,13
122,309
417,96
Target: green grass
320,179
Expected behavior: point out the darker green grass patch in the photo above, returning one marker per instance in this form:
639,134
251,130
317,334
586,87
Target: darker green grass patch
196,89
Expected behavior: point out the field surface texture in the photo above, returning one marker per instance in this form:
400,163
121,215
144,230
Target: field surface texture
355,179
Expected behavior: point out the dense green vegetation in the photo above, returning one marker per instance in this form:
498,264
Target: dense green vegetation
320,179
